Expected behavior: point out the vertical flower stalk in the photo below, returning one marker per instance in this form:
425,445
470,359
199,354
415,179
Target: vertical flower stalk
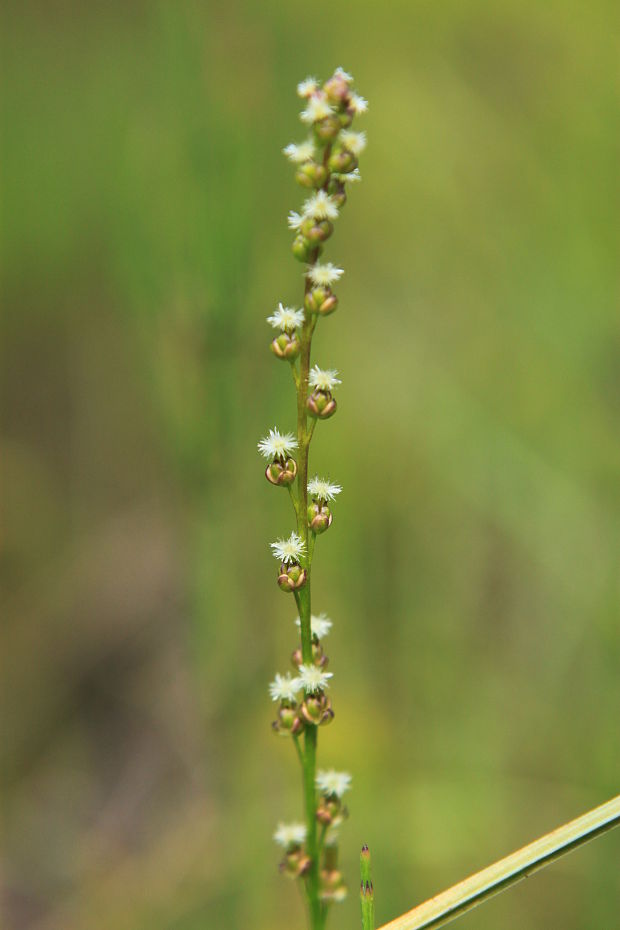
326,163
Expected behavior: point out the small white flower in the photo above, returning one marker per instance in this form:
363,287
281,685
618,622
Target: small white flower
284,688
290,834
323,380
332,782
354,142
294,220
286,318
325,274
288,550
320,207
317,109
341,73
312,679
339,894
307,88
319,626
298,154
323,490
358,104
277,445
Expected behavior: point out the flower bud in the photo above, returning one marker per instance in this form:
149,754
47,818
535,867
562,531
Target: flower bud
321,300
316,231
311,174
336,88
288,721
281,472
302,248
346,117
319,517
291,577
296,863
285,346
321,405
331,811
328,128
342,162
316,709
331,879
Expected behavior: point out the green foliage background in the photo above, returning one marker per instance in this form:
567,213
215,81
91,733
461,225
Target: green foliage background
472,569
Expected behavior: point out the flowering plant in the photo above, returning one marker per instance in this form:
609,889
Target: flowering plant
326,162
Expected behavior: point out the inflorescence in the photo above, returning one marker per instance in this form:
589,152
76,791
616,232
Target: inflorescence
325,163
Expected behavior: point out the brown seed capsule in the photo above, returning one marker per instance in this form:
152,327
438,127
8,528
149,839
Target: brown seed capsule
328,128
321,300
311,174
291,577
342,162
281,471
316,709
318,656
288,721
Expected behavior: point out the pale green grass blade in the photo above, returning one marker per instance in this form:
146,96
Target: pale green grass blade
467,894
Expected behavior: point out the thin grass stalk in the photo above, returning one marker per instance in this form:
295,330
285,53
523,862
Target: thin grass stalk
456,901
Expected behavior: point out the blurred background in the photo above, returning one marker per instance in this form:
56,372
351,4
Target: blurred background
472,568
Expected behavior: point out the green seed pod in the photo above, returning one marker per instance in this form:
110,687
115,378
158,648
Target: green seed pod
342,162
317,709
311,174
301,248
319,517
321,405
285,346
316,231
328,128
320,300
280,472
291,577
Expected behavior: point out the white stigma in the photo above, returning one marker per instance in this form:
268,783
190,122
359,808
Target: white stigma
320,207
312,679
333,783
319,626
298,154
277,445
317,109
286,318
288,550
290,834
325,274
358,104
323,490
284,688
307,88
323,380
354,142
294,220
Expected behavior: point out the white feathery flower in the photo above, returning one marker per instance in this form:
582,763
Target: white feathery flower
317,109
277,445
294,220
323,379
286,318
307,88
288,550
312,679
358,104
332,782
341,73
354,142
323,490
290,834
339,894
300,153
319,626
320,207
284,688
324,274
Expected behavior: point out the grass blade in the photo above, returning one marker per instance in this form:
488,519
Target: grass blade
472,891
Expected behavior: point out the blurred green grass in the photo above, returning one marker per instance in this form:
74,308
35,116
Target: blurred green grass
472,570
